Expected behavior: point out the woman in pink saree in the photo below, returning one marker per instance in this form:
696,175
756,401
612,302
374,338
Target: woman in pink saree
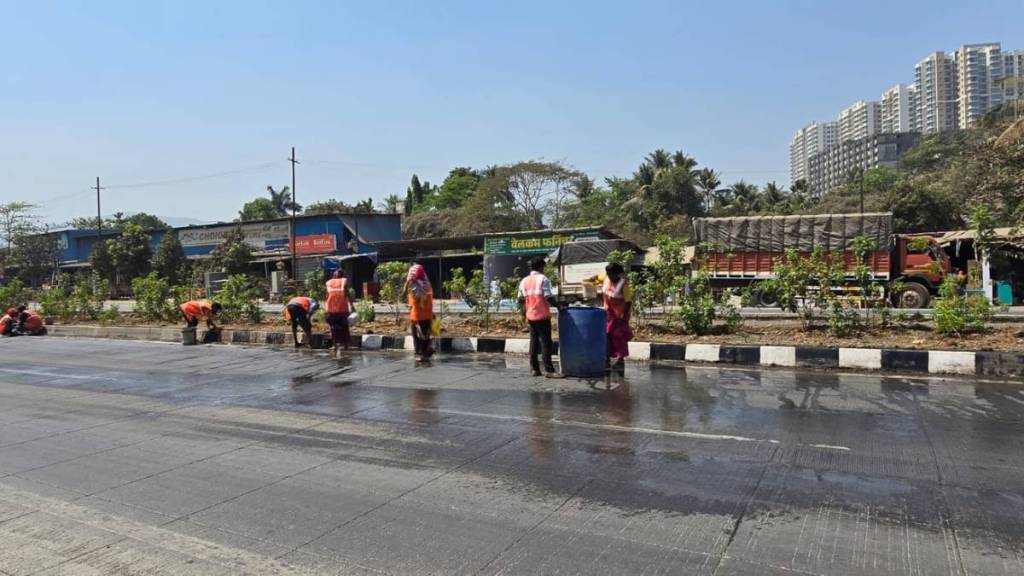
618,304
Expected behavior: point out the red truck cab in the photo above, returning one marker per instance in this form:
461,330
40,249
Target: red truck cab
921,264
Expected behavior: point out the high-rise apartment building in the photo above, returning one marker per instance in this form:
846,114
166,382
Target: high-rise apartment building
894,110
859,120
979,74
832,168
914,108
936,81
1012,83
808,141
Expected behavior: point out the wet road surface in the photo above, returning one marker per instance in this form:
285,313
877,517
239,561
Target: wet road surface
147,458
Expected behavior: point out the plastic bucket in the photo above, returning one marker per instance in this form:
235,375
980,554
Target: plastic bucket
188,337
582,343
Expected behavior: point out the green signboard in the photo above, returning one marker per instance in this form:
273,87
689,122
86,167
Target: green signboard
533,243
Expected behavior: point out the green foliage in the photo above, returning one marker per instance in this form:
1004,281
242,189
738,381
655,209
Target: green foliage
109,315
843,320
101,261
88,296
316,285
551,271
154,298
475,291
233,254
803,284
14,294
258,209
956,315
460,184
169,260
392,281
623,258
55,301
697,307
983,225
130,252
239,298
365,310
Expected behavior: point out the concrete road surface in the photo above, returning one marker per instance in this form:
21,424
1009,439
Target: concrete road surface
140,458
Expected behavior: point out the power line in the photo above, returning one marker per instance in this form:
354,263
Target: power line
186,179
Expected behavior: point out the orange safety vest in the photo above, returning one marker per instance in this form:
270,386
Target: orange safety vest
197,309
614,303
34,321
337,296
537,307
5,324
303,301
421,308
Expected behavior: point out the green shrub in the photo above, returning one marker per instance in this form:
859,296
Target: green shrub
88,297
14,294
110,315
316,285
56,302
154,297
957,315
365,310
392,279
697,306
239,299
843,320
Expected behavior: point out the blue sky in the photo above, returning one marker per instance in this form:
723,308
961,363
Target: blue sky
370,92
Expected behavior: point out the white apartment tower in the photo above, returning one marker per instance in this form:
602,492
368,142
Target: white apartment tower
979,75
914,108
1012,84
894,108
936,81
860,120
808,141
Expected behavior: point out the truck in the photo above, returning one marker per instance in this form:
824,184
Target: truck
741,252
578,262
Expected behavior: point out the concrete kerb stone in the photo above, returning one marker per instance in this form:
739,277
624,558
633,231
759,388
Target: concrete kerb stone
1001,364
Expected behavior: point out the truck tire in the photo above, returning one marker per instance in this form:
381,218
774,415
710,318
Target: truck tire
765,299
912,295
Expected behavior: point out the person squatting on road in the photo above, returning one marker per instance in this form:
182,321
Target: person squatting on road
22,321
195,310
421,310
618,305
536,300
300,310
339,296
9,322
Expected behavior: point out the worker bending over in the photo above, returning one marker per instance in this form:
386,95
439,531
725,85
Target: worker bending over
30,323
536,300
300,310
339,298
9,322
195,310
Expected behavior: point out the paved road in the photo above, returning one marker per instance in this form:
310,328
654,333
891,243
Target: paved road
144,458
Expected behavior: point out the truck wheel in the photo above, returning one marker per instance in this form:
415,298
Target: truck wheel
766,299
912,295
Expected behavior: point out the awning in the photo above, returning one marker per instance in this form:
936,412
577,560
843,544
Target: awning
653,255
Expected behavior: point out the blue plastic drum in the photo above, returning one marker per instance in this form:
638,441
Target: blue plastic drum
582,344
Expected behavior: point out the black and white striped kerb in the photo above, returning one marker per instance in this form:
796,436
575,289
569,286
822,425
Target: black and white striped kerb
1005,364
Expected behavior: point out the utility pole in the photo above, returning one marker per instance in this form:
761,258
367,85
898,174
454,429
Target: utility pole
99,216
295,272
862,190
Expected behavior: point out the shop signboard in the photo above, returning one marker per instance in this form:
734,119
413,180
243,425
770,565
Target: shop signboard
316,244
539,243
260,236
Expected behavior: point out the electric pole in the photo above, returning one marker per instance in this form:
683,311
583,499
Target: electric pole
99,216
295,271
862,190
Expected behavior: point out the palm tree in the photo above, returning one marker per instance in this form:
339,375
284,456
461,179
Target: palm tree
708,181
681,160
390,204
283,202
799,195
645,174
772,198
744,198
659,160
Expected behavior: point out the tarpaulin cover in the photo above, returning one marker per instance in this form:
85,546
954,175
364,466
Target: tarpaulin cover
805,233
593,251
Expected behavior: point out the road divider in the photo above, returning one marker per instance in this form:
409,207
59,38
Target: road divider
967,363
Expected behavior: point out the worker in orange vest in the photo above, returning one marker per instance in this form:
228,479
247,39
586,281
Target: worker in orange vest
195,310
536,300
339,298
300,310
9,322
30,323
421,310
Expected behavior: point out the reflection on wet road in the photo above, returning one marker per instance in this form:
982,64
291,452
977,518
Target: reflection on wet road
468,465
